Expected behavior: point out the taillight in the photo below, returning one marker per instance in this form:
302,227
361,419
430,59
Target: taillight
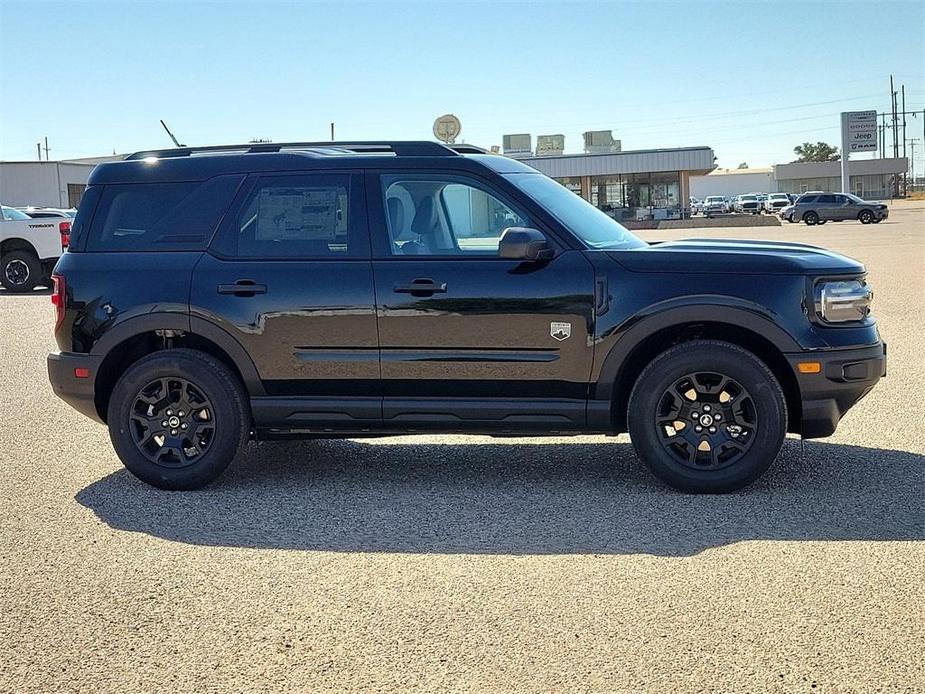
64,228
57,299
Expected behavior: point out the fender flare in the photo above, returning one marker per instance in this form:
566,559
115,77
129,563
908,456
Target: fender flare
167,320
742,315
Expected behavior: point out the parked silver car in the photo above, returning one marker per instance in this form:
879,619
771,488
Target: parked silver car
819,208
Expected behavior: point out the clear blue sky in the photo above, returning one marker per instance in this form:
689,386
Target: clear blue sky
749,79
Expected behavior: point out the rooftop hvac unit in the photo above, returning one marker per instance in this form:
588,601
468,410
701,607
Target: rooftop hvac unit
517,145
600,142
549,145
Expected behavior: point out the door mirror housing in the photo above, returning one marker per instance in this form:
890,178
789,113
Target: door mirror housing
526,244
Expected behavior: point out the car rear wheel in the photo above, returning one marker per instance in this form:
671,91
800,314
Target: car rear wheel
20,271
177,418
707,417
811,218
866,217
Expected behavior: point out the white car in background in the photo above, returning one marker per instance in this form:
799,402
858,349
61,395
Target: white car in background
714,204
29,248
47,212
775,202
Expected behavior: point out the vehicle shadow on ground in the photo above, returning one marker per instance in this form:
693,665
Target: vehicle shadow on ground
496,498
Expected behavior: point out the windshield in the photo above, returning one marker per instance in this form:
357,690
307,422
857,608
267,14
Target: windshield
580,217
748,198
13,215
715,199
779,196
853,197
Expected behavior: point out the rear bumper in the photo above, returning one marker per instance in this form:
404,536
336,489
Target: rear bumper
76,392
846,376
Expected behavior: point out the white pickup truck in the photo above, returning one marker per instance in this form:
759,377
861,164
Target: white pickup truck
29,248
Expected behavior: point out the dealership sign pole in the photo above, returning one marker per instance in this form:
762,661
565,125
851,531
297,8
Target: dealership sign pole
858,134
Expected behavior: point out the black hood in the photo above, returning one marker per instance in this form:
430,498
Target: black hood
737,256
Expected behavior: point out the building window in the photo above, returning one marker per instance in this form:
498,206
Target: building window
75,191
573,183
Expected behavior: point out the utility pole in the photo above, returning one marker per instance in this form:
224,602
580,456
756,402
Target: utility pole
46,148
332,132
912,143
905,184
38,147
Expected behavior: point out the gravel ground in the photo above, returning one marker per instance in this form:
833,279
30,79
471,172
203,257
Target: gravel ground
467,563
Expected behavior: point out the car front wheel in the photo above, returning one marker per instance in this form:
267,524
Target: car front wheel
707,417
811,218
177,418
866,217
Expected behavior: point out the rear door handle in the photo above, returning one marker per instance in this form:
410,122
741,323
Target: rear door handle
421,287
243,288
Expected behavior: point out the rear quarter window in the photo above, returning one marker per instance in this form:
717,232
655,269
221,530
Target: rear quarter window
160,216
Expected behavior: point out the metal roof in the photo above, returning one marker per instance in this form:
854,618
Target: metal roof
831,169
694,159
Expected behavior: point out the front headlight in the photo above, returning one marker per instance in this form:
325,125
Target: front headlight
843,301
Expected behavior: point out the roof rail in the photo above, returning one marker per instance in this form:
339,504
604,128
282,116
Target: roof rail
421,148
467,149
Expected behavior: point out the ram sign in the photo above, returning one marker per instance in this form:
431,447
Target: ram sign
859,131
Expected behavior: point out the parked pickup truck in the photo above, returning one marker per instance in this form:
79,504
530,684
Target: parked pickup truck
29,248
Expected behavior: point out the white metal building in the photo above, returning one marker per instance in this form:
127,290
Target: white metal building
729,182
870,178
42,183
47,183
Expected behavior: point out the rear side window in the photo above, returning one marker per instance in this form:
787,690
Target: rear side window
826,199
306,216
807,198
160,216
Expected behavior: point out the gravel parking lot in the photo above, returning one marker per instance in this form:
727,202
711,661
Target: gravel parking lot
470,563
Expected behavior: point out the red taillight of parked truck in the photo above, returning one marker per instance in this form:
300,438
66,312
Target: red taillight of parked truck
64,228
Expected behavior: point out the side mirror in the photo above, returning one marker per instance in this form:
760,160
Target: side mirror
523,243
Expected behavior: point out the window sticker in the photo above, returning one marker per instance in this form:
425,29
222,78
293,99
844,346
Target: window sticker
301,214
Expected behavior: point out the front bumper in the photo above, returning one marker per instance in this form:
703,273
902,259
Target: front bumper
75,391
846,376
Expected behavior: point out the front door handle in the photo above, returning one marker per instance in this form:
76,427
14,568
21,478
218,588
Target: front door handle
242,288
421,287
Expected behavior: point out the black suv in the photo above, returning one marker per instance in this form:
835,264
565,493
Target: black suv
214,295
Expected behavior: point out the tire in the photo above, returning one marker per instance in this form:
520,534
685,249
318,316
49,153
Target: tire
811,218
20,271
732,460
217,412
866,217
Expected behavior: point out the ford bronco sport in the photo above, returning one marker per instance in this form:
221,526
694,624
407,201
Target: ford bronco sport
214,295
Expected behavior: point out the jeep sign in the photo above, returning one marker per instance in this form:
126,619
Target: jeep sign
859,131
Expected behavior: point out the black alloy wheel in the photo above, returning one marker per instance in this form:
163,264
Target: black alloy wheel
706,420
178,417
811,218
172,422
707,416
866,217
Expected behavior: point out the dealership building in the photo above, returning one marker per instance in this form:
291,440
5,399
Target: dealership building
631,185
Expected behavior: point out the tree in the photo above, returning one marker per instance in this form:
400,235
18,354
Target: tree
743,165
816,152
